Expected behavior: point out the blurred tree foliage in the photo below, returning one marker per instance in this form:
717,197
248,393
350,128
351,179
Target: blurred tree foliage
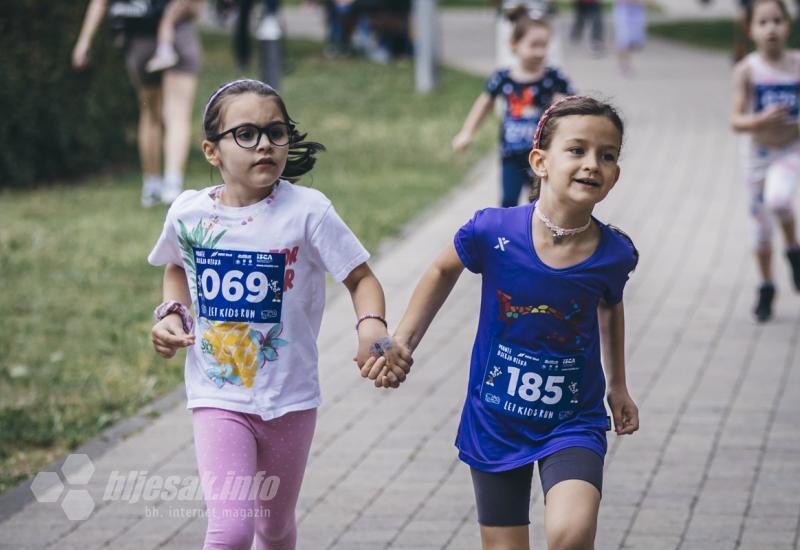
57,122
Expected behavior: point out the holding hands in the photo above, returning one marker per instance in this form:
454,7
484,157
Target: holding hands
374,343
379,357
389,363
389,369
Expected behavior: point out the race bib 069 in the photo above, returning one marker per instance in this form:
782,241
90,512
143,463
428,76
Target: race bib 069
240,286
531,386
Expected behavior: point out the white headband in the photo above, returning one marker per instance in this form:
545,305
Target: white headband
228,85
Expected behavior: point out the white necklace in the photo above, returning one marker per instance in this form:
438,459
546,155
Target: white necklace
560,232
216,196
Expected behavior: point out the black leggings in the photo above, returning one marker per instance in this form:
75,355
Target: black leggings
503,498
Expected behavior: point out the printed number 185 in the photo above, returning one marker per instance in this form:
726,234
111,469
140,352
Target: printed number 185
531,387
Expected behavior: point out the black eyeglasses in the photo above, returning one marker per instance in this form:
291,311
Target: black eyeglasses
248,136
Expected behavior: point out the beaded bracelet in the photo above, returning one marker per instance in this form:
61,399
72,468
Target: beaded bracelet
372,316
171,306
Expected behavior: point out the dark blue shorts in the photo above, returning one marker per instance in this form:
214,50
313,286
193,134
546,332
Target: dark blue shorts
516,174
503,498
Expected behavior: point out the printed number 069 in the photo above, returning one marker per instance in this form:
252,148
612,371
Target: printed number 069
530,389
256,284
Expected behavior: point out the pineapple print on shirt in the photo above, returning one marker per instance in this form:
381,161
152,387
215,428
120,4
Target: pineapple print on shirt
232,290
238,351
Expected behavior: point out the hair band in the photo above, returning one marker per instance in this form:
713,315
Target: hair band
228,85
537,136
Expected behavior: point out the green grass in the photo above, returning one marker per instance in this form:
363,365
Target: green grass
711,34
77,292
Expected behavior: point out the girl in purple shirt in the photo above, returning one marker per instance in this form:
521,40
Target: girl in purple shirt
551,307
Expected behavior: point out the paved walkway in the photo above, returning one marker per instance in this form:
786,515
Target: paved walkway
715,464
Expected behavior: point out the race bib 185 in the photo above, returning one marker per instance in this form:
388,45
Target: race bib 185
530,386
240,286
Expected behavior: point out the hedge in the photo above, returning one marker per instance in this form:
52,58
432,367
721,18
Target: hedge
58,123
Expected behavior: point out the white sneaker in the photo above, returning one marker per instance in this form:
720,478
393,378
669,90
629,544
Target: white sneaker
164,58
170,193
268,29
151,195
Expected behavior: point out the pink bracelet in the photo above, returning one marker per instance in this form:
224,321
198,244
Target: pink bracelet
372,316
171,306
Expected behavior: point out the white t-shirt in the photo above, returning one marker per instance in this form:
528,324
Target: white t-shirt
257,279
772,85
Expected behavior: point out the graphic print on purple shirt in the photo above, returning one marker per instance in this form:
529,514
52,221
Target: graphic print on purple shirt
572,319
546,314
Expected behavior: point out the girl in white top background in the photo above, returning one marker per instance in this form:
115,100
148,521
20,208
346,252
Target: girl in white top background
766,97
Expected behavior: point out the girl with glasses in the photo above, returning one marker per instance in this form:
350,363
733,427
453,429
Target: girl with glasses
250,257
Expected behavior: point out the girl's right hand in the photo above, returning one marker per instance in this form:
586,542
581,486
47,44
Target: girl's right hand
168,335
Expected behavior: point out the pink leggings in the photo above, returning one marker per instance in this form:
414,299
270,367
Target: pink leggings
251,471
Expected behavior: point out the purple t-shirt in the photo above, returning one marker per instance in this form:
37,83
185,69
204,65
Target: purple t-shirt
536,384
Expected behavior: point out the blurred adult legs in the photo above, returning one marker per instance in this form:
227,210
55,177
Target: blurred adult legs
178,91
149,143
241,37
591,14
149,131
596,21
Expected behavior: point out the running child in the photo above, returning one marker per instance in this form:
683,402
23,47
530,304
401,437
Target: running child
527,89
630,31
250,257
551,307
766,97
